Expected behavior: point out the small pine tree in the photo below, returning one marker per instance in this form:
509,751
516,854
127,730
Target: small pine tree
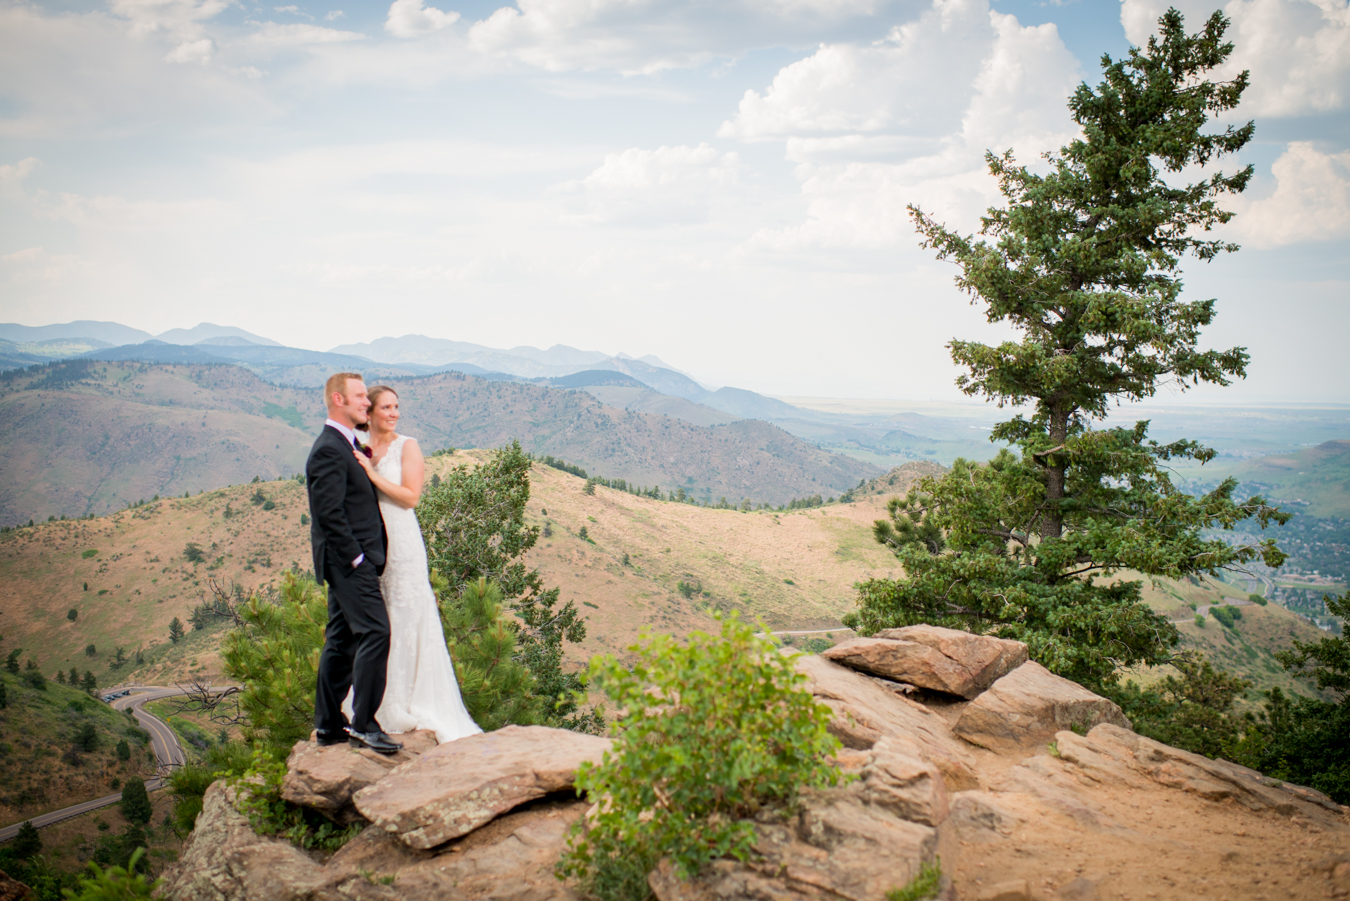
61,677
496,689
90,650
123,753
74,677
89,683
4,696
175,630
86,738
72,614
135,801
12,661
27,842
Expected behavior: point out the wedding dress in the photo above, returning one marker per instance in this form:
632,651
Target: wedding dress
421,691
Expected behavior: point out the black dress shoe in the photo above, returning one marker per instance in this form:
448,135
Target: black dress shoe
327,737
377,741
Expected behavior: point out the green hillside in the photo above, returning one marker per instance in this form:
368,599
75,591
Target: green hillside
58,747
1316,480
116,433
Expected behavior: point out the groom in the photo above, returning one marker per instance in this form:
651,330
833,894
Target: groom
349,544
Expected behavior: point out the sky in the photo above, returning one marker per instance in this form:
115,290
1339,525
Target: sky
721,183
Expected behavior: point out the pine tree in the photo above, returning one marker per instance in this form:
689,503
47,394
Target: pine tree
27,842
136,802
497,690
1084,262
89,683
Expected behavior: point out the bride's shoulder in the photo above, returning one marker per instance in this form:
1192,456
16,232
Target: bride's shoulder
408,441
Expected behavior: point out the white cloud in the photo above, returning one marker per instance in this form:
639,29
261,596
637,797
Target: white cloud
334,15
27,255
272,34
875,130
411,19
668,185
1311,200
180,19
647,36
191,52
1298,51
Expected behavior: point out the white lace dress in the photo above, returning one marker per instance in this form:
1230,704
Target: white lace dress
422,691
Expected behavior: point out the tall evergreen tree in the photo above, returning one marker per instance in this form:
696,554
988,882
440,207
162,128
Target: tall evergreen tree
1084,262
27,842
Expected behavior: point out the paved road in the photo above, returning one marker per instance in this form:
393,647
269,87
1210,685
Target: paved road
164,741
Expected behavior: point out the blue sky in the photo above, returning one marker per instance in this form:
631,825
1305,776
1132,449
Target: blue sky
721,184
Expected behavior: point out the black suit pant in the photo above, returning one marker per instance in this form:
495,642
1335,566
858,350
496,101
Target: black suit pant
356,649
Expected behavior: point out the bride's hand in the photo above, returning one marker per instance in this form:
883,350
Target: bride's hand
365,462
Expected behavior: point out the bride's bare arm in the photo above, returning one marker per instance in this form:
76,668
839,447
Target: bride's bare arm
414,468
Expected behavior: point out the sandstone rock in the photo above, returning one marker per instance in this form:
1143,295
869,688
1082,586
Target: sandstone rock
225,859
1023,711
980,816
1109,752
839,847
982,658
946,660
326,778
864,713
510,858
456,787
12,889
1016,890
907,786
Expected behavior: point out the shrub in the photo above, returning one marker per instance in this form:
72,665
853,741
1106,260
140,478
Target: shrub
135,802
91,552
86,737
72,614
497,690
1200,620
193,552
35,679
12,660
115,883
27,842
258,793
188,783
1257,600
1226,615
709,733
925,884
123,751
90,650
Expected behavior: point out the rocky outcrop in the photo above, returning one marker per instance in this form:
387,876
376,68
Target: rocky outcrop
1015,804
12,889
326,778
1023,711
946,660
456,787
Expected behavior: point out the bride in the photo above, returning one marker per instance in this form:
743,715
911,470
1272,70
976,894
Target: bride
422,691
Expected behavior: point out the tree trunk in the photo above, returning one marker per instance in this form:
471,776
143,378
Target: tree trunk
1052,525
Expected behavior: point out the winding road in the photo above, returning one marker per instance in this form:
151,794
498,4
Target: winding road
168,754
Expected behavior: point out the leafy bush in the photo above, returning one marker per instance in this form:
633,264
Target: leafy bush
35,679
115,883
1200,620
1226,615
193,552
188,783
135,801
1257,599
709,733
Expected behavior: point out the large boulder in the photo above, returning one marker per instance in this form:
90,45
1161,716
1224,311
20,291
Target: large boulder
509,859
326,778
1022,711
946,660
456,787
12,889
863,713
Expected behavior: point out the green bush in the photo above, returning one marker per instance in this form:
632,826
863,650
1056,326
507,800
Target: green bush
1257,599
115,883
274,655
35,679
709,733
1200,620
1192,710
1226,615
136,802
497,690
188,783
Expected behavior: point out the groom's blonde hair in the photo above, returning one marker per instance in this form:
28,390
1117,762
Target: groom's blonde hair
337,384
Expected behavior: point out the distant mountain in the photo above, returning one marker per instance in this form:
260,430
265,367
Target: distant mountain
154,352
118,432
749,405
111,333
207,331
589,378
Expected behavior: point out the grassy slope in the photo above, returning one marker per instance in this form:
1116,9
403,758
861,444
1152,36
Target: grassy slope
39,729
1318,475
131,431
793,570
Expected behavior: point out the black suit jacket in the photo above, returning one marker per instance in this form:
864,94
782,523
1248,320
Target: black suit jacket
345,520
